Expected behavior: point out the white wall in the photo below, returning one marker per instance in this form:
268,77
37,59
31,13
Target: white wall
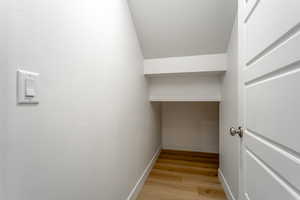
185,87
229,146
188,64
4,14
191,126
94,131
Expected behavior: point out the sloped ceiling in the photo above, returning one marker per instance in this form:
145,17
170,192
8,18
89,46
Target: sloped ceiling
169,28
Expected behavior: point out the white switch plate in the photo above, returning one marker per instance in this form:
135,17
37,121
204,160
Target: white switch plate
27,87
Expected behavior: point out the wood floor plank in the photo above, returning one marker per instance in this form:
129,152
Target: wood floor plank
176,152
189,163
189,158
189,170
182,175
155,174
188,178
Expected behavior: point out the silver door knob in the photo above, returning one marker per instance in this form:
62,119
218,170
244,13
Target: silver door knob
239,131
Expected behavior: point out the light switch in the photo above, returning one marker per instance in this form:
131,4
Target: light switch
27,87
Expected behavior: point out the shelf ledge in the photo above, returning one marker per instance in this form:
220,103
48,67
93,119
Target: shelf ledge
206,64
184,99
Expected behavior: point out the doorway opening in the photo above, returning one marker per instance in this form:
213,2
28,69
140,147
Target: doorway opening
187,166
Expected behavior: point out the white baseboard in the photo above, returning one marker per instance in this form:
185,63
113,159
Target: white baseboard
139,185
225,185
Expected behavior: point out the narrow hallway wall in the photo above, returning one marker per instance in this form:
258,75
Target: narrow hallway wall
229,146
94,131
4,49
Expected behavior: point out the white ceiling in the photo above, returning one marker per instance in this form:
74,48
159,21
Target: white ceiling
168,28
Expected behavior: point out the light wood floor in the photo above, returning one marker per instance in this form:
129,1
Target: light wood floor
180,175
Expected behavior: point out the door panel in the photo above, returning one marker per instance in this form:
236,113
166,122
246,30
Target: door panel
283,58
282,160
269,33
271,22
272,109
249,7
262,183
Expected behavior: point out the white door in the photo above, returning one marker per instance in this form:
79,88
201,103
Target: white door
269,32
